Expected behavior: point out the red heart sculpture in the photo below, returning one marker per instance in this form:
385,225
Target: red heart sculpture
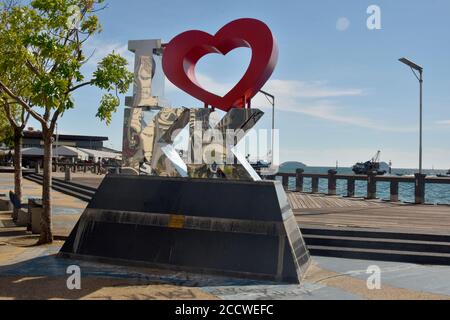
183,52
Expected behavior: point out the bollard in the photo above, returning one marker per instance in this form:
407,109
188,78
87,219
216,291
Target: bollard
37,168
371,186
350,187
35,212
332,182
314,184
68,174
419,189
299,180
394,191
285,181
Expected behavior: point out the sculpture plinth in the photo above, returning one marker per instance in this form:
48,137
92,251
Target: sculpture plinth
226,227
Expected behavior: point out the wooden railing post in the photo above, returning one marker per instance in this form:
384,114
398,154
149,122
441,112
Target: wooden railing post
314,184
394,191
285,181
299,180
419,189
350,187
371,186
332,182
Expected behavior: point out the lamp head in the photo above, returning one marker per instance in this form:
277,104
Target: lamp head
411,64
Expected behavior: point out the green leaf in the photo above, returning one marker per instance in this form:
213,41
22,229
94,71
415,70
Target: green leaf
108,106
112,74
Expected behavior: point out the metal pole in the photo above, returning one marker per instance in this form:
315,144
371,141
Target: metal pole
421,107
56,144
273,126
416,67
268,95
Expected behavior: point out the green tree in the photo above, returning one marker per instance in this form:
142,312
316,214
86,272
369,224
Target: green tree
41,45
16,119
5,130
14,115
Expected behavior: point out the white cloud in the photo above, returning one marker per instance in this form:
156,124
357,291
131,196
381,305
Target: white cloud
319,99
445,122
309,89
314,98
96,50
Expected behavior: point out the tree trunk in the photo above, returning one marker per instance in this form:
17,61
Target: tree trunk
46,219
17,170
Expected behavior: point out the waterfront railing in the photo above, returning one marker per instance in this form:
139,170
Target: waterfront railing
420,181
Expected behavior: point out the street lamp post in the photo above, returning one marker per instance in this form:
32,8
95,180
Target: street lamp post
418,68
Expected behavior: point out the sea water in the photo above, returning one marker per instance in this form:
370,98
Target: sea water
434,193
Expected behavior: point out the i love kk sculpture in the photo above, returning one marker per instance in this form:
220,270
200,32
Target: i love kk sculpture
188,212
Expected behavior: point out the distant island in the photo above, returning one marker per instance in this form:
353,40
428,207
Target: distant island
291,166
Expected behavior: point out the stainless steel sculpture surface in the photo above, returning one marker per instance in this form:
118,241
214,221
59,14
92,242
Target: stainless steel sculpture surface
150,130
144,71
140,129
212,151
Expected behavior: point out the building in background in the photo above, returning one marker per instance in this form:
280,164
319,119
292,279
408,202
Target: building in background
33,139
67,148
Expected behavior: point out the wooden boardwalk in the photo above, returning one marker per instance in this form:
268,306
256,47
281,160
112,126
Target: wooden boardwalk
314,210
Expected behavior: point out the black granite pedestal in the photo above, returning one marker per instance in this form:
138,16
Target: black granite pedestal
235,228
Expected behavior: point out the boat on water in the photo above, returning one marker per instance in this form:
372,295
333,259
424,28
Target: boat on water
373,166
258,165
446,175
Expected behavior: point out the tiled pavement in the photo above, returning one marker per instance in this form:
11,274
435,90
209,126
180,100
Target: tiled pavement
30,272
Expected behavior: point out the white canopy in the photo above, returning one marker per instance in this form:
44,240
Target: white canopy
32,151
72,152
96,154
65,151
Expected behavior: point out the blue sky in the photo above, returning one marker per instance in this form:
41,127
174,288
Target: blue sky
341,93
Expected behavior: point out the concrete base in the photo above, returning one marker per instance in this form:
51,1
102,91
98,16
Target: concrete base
215,226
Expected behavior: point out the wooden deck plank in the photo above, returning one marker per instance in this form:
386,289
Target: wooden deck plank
320,210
